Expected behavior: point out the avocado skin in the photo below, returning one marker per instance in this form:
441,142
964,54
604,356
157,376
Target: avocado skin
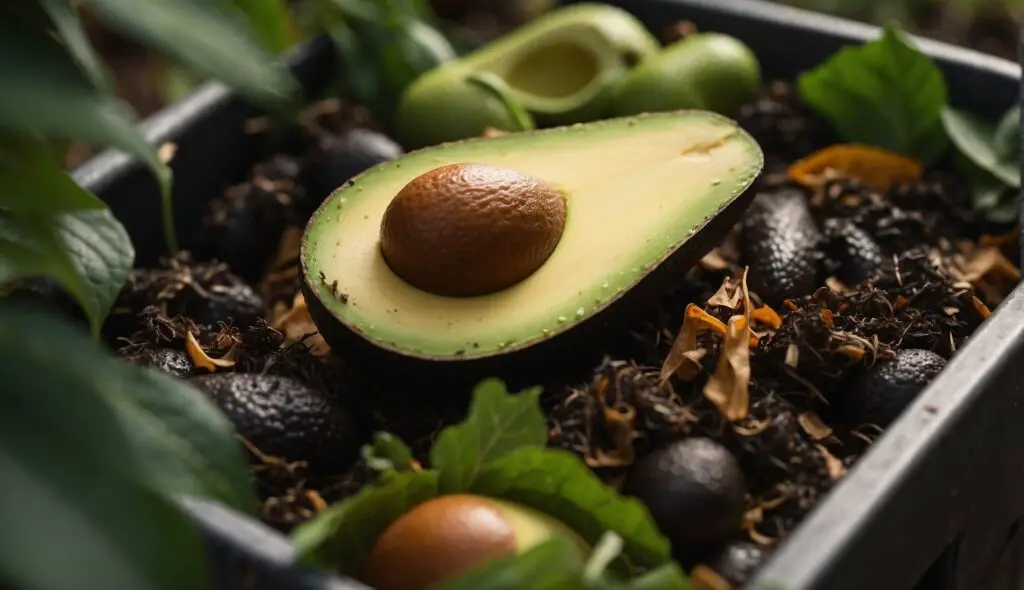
173,362
880,395
781,245
339,158
859,256
694,489
576,350
284,418
737,561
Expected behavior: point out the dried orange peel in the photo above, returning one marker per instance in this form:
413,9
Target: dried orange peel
877,168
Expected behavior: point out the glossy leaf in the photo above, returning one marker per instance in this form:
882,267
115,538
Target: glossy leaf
271,21
556,482
72,485
69,27
552,565
884,93
976,139
88,252
32,180
206,37
387,452
498,423
340,537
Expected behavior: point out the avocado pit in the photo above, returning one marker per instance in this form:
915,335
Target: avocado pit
469,229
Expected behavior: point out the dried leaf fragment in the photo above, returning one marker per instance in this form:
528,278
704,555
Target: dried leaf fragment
729,387
766,316
728,295
297,326
814,426
877,168
836,469
621,423
703,577
203,360
684,357
980,307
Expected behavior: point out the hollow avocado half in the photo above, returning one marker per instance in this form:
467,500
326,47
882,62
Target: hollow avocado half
561,68
646,197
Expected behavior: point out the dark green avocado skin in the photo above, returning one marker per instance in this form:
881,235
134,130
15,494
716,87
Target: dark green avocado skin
284,418
575,351
889,386
695,491
339,158
859,256
781,245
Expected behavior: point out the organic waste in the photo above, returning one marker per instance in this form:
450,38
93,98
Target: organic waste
705,424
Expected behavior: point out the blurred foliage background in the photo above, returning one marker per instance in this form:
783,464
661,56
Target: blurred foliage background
148,82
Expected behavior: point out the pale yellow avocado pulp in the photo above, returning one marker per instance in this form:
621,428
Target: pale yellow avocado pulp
636,189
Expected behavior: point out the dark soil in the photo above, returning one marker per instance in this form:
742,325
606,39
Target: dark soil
904,268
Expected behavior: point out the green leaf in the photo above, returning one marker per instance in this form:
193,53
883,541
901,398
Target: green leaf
553,564
976,139
1007,136
387,452
32,180
88,252
72,486
498,423
205,37
556,482
182,443
607,549
665,577
340,537
71,31
46,93
270,19
884,93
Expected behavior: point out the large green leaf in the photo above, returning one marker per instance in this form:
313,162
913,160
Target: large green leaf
340,537
498,423
271,20
552,565
976,139
205,36
77,511
556,482
32,180
69,27
884,93
181,442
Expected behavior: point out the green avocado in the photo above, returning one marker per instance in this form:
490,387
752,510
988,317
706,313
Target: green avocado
644,198
708,71
561,68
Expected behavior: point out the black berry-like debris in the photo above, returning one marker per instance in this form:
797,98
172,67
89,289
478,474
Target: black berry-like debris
880,395
858,255
737,561
337,158
781,245
284,418
694,489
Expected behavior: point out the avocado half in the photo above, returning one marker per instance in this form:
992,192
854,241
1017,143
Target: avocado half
562,68
646,198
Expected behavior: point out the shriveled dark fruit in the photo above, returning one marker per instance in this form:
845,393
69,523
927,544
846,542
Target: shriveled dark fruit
737,561
782,125
782,246
238,303
879,396
337,158
285,418
859,256
694,489
243,227
170,361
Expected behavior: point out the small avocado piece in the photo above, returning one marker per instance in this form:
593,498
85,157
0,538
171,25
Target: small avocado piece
737,561
173,362
337,158
654,192
881,395
859,256
709,71
284,418
450,534
561,68
781,245
695,491
496,227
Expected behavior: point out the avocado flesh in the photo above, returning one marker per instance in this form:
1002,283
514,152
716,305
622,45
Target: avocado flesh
563,68
637,189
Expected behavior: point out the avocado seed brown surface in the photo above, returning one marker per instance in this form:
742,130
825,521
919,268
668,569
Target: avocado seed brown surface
469,229
437,540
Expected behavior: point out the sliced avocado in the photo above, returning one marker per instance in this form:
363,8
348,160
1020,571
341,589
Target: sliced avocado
708,71
627,197
562,68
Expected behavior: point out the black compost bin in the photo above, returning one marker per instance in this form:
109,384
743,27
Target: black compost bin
937,501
